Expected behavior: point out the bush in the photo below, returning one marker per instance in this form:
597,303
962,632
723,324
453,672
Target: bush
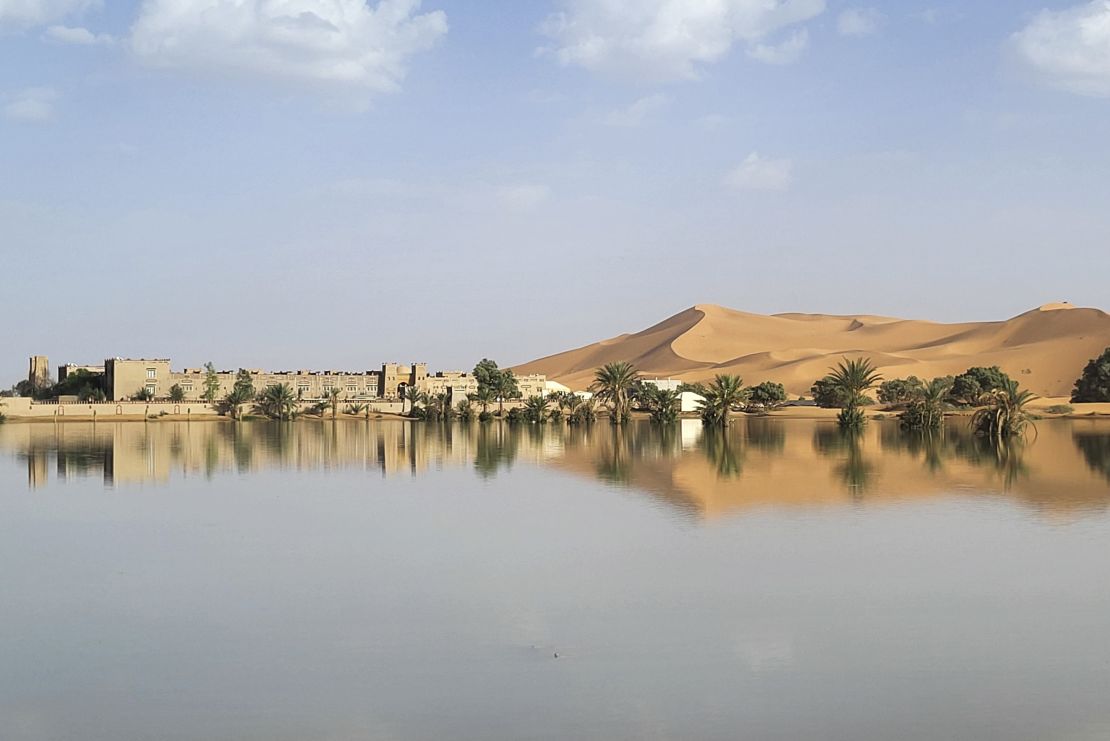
1094,384
969,387
900,390
767,396
1060,409
485,416
826,394
851,418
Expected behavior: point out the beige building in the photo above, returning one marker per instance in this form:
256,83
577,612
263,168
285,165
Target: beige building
125,378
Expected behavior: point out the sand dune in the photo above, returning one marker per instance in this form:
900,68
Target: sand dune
1046,348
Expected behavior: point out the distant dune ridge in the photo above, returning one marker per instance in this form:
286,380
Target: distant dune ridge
1045,349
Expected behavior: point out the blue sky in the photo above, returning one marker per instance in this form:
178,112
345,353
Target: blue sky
335,183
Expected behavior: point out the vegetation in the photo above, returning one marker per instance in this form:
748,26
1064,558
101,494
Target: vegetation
499,384
535,409
413,396
1060,409
143,394
177,394
277,402
614,383
332,396
464,410
724,395
357,408
211,383
1004,415
969,387
1094,384
925,410
899,391
662,404
850,379
766,397
825,394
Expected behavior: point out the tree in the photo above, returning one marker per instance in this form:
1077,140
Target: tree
211,383
414,397
332,395
614,384
535,409
464,410
826,394
767,396
487,374
925,411
1094,384
506,388
232,403
662,404
724,395
969,386
1004,415
484,397
244,386
900,390
277,402
143,394
850,379
177,394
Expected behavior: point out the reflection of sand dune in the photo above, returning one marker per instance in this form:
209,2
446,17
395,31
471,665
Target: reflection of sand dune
755,463
1046,348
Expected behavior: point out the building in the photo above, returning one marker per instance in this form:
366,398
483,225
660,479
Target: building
67,370
126,378
39,373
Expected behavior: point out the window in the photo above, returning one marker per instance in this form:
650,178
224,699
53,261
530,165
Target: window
151,373
151,389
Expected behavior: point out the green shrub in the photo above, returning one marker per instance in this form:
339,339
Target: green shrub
1094,384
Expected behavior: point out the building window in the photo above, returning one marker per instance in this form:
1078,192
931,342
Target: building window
151,389
151,373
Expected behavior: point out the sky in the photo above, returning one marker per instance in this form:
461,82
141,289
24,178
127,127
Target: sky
338,183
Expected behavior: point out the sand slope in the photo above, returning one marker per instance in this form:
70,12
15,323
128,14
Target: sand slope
1046,348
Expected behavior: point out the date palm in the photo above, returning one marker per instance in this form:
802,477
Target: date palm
276,402
1005,415
850,379
720,398
535,409
614,384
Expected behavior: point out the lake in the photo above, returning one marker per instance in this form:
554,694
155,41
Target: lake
395,580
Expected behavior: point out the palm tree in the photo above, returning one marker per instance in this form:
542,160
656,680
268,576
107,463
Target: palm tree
506,388
725,394
413,395
276,402
1004,415
233,403
850,379
331,396
614,384
535,409
484,396
465,410
926,410
662,404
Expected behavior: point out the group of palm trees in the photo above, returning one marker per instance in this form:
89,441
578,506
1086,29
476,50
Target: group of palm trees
1002,414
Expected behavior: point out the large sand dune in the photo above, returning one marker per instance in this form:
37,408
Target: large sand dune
1045,349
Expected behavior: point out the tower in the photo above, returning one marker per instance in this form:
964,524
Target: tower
39,374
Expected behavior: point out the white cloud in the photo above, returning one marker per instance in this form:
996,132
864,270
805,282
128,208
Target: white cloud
77,35
663,40
33,105
523,196
785,52
1070,49
345,42
757,173
27,13
638,112
859,22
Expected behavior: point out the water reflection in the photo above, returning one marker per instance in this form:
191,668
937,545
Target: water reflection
756,462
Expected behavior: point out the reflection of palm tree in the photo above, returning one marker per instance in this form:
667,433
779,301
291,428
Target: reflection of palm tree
854,470
614,464
722,451
495,448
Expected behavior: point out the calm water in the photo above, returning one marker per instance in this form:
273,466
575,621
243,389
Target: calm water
358,580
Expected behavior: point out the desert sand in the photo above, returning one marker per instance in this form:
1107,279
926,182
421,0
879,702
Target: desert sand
1045,349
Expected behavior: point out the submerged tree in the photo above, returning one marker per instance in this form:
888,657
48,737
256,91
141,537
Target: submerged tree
614,384
850,379
1004,414
724,395
662,404
766,397
925,410
535,409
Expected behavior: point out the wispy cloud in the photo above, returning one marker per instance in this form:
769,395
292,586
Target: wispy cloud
339,42
785,52
31,13
859,22
78,35
1070,49
665,40
759,173
32,105
639,111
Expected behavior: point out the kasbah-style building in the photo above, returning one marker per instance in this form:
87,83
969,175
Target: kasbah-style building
125,378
